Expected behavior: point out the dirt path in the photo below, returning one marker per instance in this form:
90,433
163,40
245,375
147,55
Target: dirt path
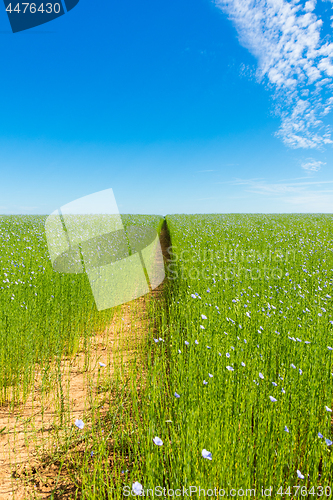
28,429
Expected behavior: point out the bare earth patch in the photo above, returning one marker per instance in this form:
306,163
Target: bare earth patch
28,429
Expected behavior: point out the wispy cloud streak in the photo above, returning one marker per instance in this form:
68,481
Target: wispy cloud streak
293,60
309,193
312,165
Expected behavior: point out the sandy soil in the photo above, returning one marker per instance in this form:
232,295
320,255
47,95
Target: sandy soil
26,430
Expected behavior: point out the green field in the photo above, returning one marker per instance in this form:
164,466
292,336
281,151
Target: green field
237,359
45,311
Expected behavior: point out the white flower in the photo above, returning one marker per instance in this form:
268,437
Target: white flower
230,368
203,316
102,364
179,351
228,355
330,348
196,342
137,488
327,408
272,399
187,343
328,442
158,441
286,428
79,423
202,327
204,382
261,375
177,395
193,296
243,364
299,474
206,454
210,375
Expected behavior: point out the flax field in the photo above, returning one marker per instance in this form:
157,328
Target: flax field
233,387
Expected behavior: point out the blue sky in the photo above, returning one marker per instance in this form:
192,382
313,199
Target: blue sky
180,107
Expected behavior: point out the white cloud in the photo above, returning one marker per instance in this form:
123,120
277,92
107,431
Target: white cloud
264,188
257,183
312,202
292,60
303,194
310,6
312,165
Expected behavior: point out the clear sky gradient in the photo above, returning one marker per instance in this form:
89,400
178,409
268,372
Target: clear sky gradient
180,107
